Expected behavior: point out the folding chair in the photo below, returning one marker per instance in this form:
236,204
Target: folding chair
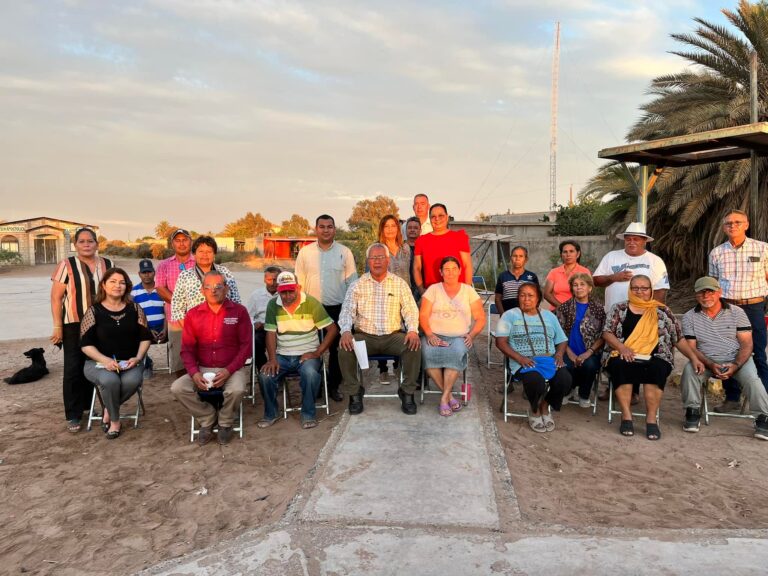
255,374
167,367
294,376
612,411
705,408
508,378
595,392
462,391
491,333
135,416
373,360
252,394
215,398
478,283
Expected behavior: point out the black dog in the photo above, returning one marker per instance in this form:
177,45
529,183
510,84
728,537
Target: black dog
31,373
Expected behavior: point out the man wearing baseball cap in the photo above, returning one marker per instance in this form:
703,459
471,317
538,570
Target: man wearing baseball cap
145,295
292,323
721,336
168,271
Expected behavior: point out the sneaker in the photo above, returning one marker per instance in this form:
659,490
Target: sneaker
692,419
728,406
761,427
584,403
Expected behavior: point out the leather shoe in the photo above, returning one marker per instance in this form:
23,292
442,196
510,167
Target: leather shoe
205,435
356,401
407,402
335,395
225,434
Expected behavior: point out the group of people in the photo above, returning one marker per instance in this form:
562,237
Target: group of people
415,302
633,334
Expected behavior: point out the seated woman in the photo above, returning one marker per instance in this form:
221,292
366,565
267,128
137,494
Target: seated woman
447,312
641,334
582,319
115,338
534,343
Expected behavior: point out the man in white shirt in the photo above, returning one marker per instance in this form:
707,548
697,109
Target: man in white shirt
377,305
257,308
326,269
618,266
420,211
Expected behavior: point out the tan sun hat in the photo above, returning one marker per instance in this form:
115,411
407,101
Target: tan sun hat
634,229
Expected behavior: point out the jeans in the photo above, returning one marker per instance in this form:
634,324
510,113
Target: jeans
584,376
756,314
746,378
334,371
309,375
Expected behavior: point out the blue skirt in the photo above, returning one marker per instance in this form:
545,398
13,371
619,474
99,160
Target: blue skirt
453,356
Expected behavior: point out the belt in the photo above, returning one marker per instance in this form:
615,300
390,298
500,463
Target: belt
745,301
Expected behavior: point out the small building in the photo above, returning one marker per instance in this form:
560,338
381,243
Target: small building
282,248
40,240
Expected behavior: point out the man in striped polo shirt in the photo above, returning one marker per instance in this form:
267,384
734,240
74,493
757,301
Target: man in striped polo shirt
292,323
721,336
146,296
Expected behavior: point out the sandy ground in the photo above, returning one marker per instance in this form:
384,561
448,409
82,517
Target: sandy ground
79,504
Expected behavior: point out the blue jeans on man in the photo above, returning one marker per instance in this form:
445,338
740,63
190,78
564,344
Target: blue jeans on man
309,376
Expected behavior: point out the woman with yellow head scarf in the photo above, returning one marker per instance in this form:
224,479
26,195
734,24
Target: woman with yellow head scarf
641,334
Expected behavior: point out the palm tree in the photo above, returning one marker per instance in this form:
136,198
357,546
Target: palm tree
687,204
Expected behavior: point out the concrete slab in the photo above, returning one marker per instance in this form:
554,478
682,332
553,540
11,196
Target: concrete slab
400,469
402,552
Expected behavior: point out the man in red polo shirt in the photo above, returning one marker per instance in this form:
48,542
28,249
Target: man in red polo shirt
216,339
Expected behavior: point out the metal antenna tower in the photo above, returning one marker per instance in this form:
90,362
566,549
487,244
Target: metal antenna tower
553,124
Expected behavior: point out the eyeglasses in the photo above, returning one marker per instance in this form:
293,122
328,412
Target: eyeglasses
640,289
735,223
377,258
213,287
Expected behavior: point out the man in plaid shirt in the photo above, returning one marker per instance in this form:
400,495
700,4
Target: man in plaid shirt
741,267
377,305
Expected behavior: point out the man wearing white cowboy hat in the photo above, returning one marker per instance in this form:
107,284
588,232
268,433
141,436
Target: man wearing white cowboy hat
617,267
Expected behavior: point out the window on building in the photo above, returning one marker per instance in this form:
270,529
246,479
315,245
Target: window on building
9,244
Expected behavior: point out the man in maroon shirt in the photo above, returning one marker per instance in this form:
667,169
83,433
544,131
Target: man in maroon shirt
216,339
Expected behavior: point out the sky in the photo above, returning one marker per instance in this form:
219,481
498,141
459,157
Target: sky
122,114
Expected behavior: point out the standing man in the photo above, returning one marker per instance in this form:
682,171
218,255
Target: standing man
293,320
326,269
618,266
216,338
421,211
377,306
257,308
720,335
146,296
168,271
412,232
741,267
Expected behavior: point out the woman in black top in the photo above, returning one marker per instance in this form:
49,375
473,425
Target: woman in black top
115,338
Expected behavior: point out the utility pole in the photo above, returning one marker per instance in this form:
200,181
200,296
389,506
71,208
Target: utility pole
553,124
754,218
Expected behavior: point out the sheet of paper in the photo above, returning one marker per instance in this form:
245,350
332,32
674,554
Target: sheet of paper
361,352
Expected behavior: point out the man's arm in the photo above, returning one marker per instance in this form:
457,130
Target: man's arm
245,339
271,366
350,270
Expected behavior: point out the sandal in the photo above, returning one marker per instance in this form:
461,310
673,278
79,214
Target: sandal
74,426
549,422
537,424
627,428
112,434
652,431
445,410
454,404
307,424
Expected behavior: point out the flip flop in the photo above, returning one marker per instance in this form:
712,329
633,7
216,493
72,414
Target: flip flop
454,404
307,424
445,410
549,422
652,431
627,428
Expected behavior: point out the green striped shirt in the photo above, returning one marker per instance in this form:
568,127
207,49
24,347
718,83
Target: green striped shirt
297,332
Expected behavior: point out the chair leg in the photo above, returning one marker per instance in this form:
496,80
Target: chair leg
610,400
596,392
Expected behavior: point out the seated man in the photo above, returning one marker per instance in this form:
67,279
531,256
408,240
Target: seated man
377,305
292,322
721,336
216,338
257,308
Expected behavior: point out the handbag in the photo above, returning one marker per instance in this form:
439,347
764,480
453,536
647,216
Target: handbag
544,365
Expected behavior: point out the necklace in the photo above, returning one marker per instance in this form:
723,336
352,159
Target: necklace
117,318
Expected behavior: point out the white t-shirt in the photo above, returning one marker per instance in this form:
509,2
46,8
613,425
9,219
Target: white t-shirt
450,316
646,264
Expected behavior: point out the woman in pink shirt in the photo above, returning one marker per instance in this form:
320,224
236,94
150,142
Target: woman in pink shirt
556,288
